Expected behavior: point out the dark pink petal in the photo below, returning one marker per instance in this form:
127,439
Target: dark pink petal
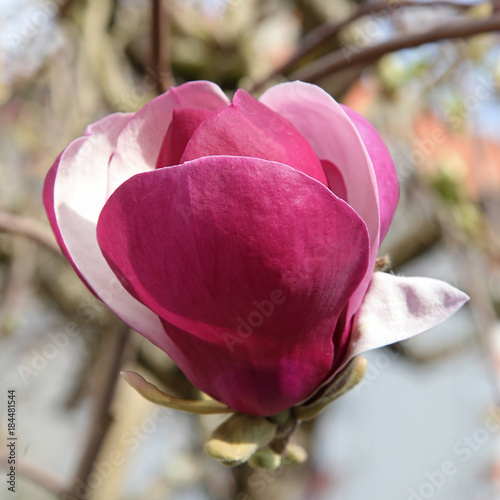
248,128
248,262
335,180
139,143
184,123
385,171
341,339
333,136
48,203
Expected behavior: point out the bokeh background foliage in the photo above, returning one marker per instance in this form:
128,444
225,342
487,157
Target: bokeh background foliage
426,74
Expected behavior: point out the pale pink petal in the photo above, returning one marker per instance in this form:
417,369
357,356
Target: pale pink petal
48,203
139,144
79,194
397,308
385,171
332,135
210,244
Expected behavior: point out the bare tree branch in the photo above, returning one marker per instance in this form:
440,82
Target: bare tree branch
328,32
37,475
18,224
159,58
111,361
346,56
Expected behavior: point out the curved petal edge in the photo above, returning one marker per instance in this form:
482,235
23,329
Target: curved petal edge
397,308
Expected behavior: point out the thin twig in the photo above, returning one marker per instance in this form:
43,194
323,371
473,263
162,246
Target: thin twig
19,224
105,384
343,58
37,475
328,31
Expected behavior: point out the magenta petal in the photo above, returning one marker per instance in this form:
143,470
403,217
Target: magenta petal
248,262
335,180
48,203
248,128
184,123
385,171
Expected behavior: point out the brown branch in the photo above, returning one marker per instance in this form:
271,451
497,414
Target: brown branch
160,67
18,224
65,7
328,32
343,58
105,388
37,475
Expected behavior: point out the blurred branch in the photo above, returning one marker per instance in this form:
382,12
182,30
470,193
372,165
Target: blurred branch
481,307
419,238
160,58
475,274
18,224
349,55
41,477
436,354
105,383
65,6
105,57
18,283
328,32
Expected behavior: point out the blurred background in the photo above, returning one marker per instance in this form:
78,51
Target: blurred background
423,423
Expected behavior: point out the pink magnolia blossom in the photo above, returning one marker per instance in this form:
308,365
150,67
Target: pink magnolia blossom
241,237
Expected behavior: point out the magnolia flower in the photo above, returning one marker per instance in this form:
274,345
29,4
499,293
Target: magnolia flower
241,238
